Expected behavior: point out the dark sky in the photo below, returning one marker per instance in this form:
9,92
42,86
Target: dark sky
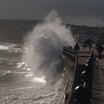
79,12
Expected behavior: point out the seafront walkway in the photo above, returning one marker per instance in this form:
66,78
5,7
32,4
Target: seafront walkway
98,75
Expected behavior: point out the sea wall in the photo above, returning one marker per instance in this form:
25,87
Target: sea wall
70,62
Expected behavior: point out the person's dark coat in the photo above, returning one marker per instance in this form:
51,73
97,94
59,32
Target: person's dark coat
77,47
100,48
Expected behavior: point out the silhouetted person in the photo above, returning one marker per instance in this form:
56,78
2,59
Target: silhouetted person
84,45
77,47
100,50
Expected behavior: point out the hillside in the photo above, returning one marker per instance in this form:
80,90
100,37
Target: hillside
15,30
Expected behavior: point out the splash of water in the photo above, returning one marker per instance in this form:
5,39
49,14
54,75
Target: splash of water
45,45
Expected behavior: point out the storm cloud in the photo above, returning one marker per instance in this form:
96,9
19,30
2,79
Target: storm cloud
80,12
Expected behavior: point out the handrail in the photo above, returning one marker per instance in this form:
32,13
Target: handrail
70,53
85,84
83,93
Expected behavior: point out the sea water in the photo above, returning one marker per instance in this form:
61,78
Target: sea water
32,73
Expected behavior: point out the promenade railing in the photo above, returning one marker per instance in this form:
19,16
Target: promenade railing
70,53
81,93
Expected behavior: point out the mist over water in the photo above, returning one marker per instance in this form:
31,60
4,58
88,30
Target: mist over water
31,73
45,46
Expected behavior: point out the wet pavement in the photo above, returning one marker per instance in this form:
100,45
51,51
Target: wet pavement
98,75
